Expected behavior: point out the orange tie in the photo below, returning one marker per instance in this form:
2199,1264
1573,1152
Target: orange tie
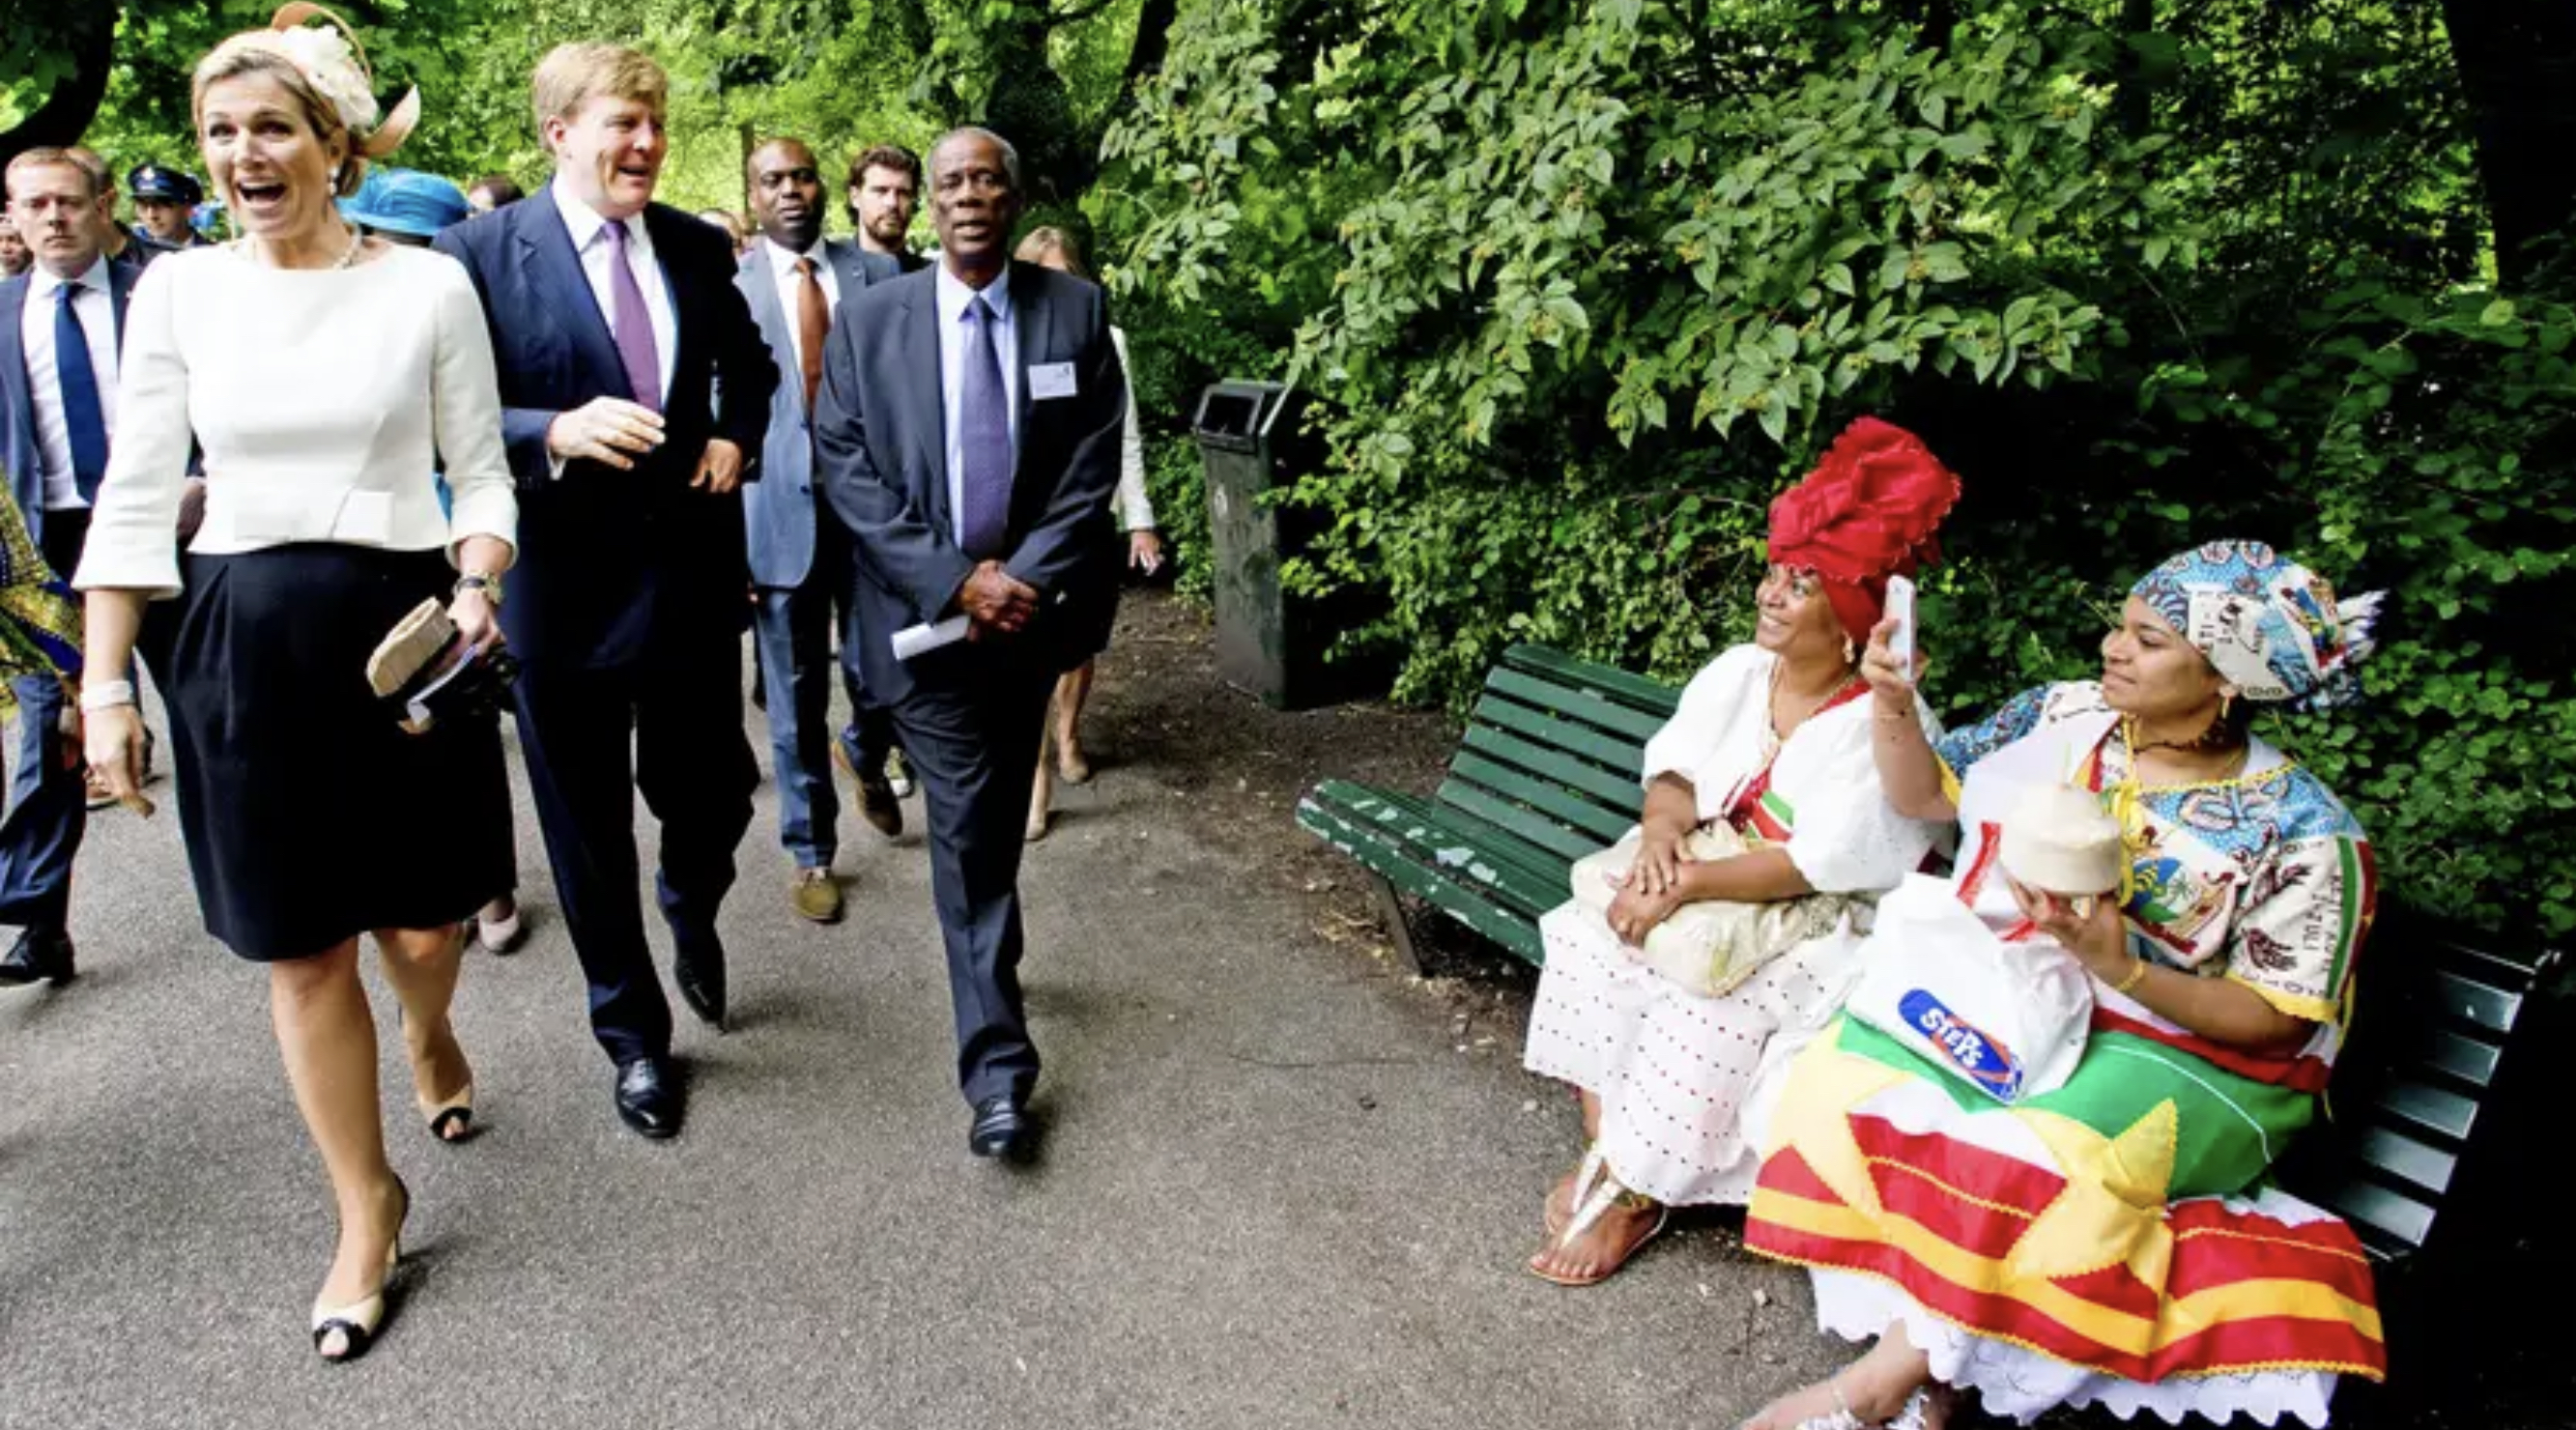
811,323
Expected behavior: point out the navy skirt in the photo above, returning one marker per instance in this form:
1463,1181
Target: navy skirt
309,815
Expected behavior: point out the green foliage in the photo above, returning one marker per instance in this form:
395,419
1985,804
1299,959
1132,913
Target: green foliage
841,74
1581,285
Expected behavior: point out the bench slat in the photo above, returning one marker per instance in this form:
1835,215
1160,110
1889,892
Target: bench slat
1390,860
2491,1008
1439,839
2416,1163
2374,1208
1586,817
1537,877
1620,796
2453,1056
1650,695
1566,843
2446,1114
1613,752
1581,705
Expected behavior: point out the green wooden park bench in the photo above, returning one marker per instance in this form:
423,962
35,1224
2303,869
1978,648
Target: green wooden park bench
1549,771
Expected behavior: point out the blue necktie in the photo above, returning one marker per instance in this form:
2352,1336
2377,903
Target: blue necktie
83,417
984,442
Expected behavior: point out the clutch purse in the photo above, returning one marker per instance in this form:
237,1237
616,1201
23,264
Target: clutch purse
425,669
1711,946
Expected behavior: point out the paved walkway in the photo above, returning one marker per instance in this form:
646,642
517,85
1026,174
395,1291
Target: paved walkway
1277,1194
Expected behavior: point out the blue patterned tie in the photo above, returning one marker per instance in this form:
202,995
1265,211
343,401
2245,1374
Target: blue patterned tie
83,417
984,441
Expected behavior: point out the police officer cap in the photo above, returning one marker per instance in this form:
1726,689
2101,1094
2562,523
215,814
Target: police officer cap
152,181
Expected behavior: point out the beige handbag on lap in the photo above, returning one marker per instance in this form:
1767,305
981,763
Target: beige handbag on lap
1711,946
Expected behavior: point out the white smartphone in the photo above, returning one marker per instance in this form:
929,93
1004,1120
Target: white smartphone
1900,605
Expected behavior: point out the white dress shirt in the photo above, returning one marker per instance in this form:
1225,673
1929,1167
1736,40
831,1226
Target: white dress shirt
782,266
590,240
322,398
953,298
97,310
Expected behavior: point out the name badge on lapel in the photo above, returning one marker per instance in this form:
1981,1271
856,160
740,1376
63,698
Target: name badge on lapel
1050,379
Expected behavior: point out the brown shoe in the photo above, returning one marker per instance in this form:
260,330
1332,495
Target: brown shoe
877,802
814,896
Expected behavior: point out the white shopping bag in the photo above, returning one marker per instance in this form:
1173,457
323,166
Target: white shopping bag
2007,1018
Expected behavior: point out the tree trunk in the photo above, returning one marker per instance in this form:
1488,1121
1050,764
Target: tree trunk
2517,61
88,34
2136,100
1153,41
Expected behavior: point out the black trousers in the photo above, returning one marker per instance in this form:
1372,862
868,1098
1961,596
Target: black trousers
973,744
670,728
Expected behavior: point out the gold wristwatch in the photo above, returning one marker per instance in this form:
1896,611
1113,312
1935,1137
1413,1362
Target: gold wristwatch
487,582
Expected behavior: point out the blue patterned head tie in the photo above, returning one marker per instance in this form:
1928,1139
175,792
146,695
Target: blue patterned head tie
2271,626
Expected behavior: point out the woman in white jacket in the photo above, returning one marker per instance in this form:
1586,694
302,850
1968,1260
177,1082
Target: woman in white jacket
1055,248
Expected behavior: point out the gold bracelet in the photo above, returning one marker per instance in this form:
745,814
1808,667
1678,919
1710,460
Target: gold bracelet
2137,975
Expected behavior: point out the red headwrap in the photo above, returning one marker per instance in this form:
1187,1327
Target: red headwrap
1866,513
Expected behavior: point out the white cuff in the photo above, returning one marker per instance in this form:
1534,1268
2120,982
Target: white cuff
107,694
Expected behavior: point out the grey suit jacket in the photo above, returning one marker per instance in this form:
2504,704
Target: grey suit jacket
18,454
880,435
779,510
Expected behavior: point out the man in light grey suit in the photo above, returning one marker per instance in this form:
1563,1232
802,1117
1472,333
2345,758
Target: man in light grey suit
968,434
800,554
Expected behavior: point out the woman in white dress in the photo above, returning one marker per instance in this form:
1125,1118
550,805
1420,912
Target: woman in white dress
325,377
1054,248
1773,739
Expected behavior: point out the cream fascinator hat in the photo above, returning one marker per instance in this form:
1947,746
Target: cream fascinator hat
332,61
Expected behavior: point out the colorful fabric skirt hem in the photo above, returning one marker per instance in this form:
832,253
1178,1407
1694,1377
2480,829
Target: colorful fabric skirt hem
2095,1228
2016,1383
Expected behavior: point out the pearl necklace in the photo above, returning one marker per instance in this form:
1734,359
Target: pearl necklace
348,256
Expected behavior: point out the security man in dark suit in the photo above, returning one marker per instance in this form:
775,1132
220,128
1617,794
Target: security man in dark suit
61,325
968,433
615,324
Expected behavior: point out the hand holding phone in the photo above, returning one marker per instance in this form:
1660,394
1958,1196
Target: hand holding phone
1900,609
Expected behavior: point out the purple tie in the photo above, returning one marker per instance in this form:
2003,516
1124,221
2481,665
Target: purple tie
632,322
983,441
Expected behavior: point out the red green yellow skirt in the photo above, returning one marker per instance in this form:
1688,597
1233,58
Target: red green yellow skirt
2106,1243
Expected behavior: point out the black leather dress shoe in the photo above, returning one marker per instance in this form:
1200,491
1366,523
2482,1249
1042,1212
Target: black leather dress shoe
649,1097
1003,1129
39,956
699,968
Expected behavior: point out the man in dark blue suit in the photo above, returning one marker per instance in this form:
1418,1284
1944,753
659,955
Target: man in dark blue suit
968,433
60,328
615,325
800,555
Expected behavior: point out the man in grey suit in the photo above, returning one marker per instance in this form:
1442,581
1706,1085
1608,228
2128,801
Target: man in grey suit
968,434
800,556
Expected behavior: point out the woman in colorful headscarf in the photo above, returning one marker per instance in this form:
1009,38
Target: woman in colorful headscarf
1773,738
2109,1242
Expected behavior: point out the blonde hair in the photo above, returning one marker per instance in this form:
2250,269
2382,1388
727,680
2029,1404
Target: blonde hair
230,61
1043,241
571,75
324,69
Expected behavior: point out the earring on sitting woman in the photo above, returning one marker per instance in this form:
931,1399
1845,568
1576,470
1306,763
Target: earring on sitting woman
1851,652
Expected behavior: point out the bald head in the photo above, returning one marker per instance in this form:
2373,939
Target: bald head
787,193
